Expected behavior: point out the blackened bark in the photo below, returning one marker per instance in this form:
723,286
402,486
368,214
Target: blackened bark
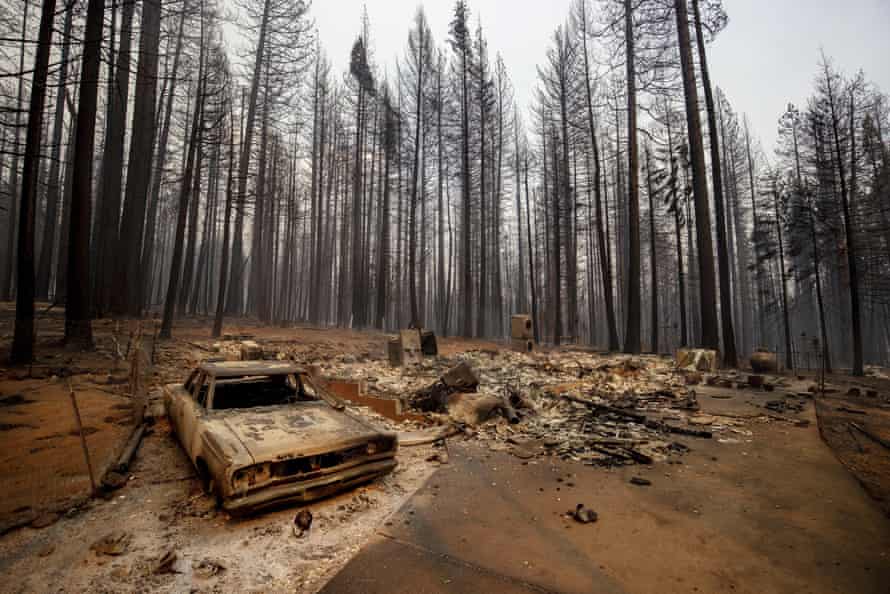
182,214
786,321
605,264
161,147
707,281
130,275
78,326
53,191
855,316
14,179
730,358
634,306
653,263
105,235
236,287
23,337
531,258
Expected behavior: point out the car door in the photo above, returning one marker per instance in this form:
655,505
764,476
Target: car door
191,411
195,411
176,399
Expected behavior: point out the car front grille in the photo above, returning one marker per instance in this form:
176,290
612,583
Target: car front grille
315,464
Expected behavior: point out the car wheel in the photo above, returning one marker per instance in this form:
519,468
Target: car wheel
205,478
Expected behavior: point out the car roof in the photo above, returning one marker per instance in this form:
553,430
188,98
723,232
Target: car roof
242,368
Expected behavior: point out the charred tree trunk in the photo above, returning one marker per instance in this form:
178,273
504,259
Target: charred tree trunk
182,215
6,281
783,275
634,305
139,169
105,236
653,263
730,358
78,325
707,282
53,191
23,337
236,287
161,148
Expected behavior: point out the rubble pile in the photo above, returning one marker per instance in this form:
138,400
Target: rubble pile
591,408
595,432
575,404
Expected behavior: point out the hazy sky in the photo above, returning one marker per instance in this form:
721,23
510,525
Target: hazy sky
764,59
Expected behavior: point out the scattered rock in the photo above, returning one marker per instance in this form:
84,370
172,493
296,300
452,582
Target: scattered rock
165,563
781,406
849,410
207,568
522,452
120,573
113,544
461,377
113,480
472,409
756,381
582,515
701,420
855,392
640,481
302,522
440,457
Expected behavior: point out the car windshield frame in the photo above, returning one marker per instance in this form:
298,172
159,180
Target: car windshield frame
301,390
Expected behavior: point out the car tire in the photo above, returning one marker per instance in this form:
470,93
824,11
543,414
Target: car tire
204,477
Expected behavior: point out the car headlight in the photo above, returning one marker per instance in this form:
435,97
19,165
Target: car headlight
251,475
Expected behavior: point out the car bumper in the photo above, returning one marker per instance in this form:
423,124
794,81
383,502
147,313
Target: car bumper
304,491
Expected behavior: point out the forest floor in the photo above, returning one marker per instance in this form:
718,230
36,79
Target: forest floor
777,502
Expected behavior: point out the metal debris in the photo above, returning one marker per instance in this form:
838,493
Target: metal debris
302,522
582,515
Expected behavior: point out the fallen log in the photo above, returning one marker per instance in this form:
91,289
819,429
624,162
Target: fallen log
618,454
639,457
604,408
852,411
623,453
123,461
662,426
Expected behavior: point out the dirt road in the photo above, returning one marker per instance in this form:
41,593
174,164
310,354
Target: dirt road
776,513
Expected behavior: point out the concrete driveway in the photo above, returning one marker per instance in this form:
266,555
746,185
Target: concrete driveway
772,513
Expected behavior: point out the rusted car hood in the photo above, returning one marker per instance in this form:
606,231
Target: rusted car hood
277,432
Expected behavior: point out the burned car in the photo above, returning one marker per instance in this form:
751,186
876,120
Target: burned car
262,433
